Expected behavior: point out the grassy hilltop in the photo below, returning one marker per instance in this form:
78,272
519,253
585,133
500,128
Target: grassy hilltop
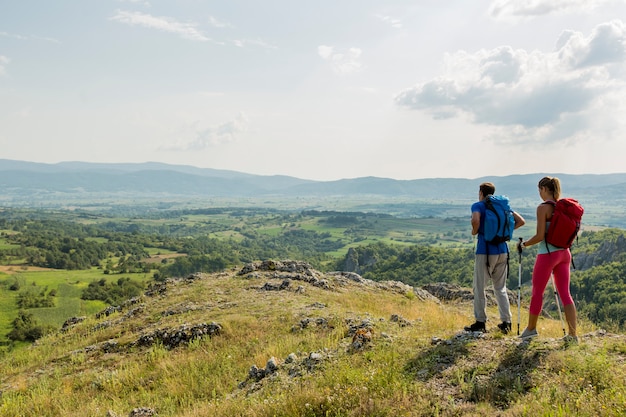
282,339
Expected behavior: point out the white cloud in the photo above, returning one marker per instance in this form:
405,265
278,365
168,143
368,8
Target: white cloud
212,136
142,2
14,36
532,96
25,38
242,43
219,24
605,45
3,63
393,22
507,9
345,62
166,24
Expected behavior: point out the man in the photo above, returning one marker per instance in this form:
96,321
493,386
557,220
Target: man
491,262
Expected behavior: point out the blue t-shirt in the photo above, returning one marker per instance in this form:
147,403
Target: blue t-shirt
481,247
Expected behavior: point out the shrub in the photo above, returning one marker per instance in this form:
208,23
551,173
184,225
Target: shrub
27,329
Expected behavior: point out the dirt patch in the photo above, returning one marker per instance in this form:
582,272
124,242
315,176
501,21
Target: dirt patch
159,258
13,269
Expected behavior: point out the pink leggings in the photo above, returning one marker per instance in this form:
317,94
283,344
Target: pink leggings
556,263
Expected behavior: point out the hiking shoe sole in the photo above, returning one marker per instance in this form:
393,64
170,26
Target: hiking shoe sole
476,327
528,334
505,327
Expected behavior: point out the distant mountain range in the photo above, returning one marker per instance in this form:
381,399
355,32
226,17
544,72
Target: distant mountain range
22,181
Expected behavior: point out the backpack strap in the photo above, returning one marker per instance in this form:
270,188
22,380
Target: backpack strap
545,237
507,260
483,219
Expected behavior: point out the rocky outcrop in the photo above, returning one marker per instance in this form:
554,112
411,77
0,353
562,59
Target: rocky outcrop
174,337
449,292
452,292
135,412
359,262
284,270
608,251
294,365
168,337
71,322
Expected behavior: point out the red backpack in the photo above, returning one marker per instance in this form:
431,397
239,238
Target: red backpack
565,222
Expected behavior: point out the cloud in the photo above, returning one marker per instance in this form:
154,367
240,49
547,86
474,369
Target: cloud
341,62
14,36
166,24
507,9
142,2
214,135
26,38
533,95
393,22
605,45
219,24
242,43
3,63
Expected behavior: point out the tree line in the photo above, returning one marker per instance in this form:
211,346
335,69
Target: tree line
598,286
67,245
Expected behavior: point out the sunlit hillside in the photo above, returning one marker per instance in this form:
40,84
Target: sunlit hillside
282,339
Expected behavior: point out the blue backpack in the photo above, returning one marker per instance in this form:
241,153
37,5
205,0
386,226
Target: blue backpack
499,220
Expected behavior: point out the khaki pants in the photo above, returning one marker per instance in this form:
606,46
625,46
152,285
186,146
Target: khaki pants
496,272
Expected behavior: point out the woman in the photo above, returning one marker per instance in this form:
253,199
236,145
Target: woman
551,260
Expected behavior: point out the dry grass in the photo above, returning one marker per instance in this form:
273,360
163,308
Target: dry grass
399,372
13,269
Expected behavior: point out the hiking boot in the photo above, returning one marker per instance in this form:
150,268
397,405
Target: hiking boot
505,327
478,326
528,334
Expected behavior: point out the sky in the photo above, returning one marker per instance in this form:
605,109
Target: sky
321,90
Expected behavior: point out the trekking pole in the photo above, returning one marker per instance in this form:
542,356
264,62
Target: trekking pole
519,286
558,305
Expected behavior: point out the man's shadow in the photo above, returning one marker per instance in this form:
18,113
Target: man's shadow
499,383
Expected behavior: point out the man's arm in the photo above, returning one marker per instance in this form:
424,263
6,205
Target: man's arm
475,222
519,220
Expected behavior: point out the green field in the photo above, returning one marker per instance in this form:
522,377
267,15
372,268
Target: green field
69,286
160,233
346,230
